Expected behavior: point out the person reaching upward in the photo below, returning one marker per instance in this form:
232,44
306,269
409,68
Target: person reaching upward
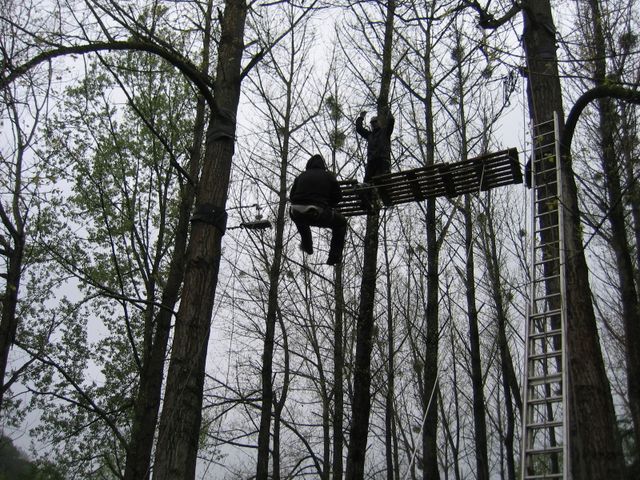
378,144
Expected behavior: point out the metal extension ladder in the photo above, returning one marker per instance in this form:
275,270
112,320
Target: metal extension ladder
545,425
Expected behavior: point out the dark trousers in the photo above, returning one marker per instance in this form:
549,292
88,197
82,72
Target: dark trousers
328,218
374,167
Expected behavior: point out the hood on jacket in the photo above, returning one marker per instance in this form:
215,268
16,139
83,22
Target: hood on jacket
316,162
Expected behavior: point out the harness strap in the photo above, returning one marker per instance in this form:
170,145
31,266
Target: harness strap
307,210
212,215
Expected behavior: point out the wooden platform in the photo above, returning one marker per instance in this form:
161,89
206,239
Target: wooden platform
445,179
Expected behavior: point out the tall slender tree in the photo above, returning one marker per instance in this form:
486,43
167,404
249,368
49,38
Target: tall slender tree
509,381
177,448
607,126
595,447
361,406
285,122
479,419
594,443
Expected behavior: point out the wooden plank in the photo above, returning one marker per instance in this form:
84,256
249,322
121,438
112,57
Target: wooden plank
355,199
472,175
411,185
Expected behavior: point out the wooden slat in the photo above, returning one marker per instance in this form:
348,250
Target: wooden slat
473,175
356,198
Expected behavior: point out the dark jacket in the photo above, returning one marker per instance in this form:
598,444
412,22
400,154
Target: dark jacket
378,139
315,186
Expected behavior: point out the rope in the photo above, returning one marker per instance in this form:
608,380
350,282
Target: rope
424,419
232,334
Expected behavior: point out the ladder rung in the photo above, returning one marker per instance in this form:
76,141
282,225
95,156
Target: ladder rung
544,188
544,279
546,171
546,228
542,356
554,377
548,313
542,401
544,451
546,199
545,185
544,135
546,212
539,245
542,262
543,476
544,152
542,318
547,176
546,297
543,329
541,425
549,333
541,148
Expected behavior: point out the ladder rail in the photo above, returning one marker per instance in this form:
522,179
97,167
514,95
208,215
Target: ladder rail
545,422
566,466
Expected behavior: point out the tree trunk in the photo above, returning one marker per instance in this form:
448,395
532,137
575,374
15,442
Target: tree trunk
479,421
607,126
278,406
431,348
508,377
180,421
13,249
362,368
389,408
338,377
147,402
9,320
595,448
432,320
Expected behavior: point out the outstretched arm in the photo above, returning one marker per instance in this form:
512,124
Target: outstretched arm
360,128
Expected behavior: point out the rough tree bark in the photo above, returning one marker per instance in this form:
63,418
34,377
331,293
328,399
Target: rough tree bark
607,125
362,368
13,249
180,421
479,420
594,443
432,320
147,403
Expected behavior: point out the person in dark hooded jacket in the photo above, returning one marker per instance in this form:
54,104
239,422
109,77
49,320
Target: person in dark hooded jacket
314,195
378,144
